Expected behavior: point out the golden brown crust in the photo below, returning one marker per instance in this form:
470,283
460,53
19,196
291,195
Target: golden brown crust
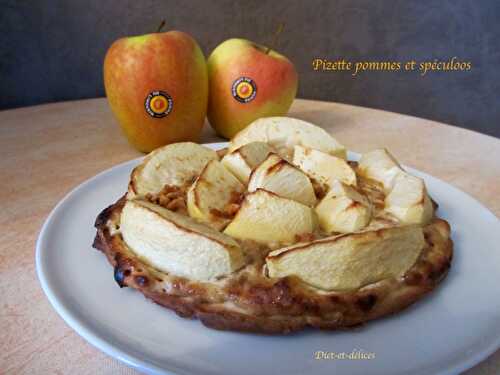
249,301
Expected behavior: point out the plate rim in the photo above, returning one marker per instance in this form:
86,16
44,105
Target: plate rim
128,358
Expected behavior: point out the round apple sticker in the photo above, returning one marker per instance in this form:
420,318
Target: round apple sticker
244,89
158,104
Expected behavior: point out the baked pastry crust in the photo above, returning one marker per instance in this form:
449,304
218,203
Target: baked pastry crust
248,300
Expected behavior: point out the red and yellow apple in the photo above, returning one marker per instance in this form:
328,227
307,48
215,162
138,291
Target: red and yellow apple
247,81
157,87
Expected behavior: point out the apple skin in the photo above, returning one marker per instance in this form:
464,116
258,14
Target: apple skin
171,62
274,75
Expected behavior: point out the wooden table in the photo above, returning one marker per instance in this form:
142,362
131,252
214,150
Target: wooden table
47,150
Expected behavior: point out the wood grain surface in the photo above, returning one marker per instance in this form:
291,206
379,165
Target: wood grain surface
46,151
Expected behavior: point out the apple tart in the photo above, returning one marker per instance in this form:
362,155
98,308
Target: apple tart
276,233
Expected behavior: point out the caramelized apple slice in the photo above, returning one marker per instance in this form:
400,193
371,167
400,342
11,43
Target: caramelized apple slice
282,178
175,165
324,168
406,196
381,166
282,133
267,218
177,244
243,160
343,210
211,193
350,261
408,200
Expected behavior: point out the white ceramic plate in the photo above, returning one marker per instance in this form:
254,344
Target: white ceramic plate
452,329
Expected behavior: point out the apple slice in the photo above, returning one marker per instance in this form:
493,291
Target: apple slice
350,261
381,166
278,176
343,210
267,218
324,168
210,194
178,244
408,200
243,160
282,133
406,195
176,164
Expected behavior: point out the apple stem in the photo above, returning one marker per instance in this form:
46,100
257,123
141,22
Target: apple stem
162,24
277,33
